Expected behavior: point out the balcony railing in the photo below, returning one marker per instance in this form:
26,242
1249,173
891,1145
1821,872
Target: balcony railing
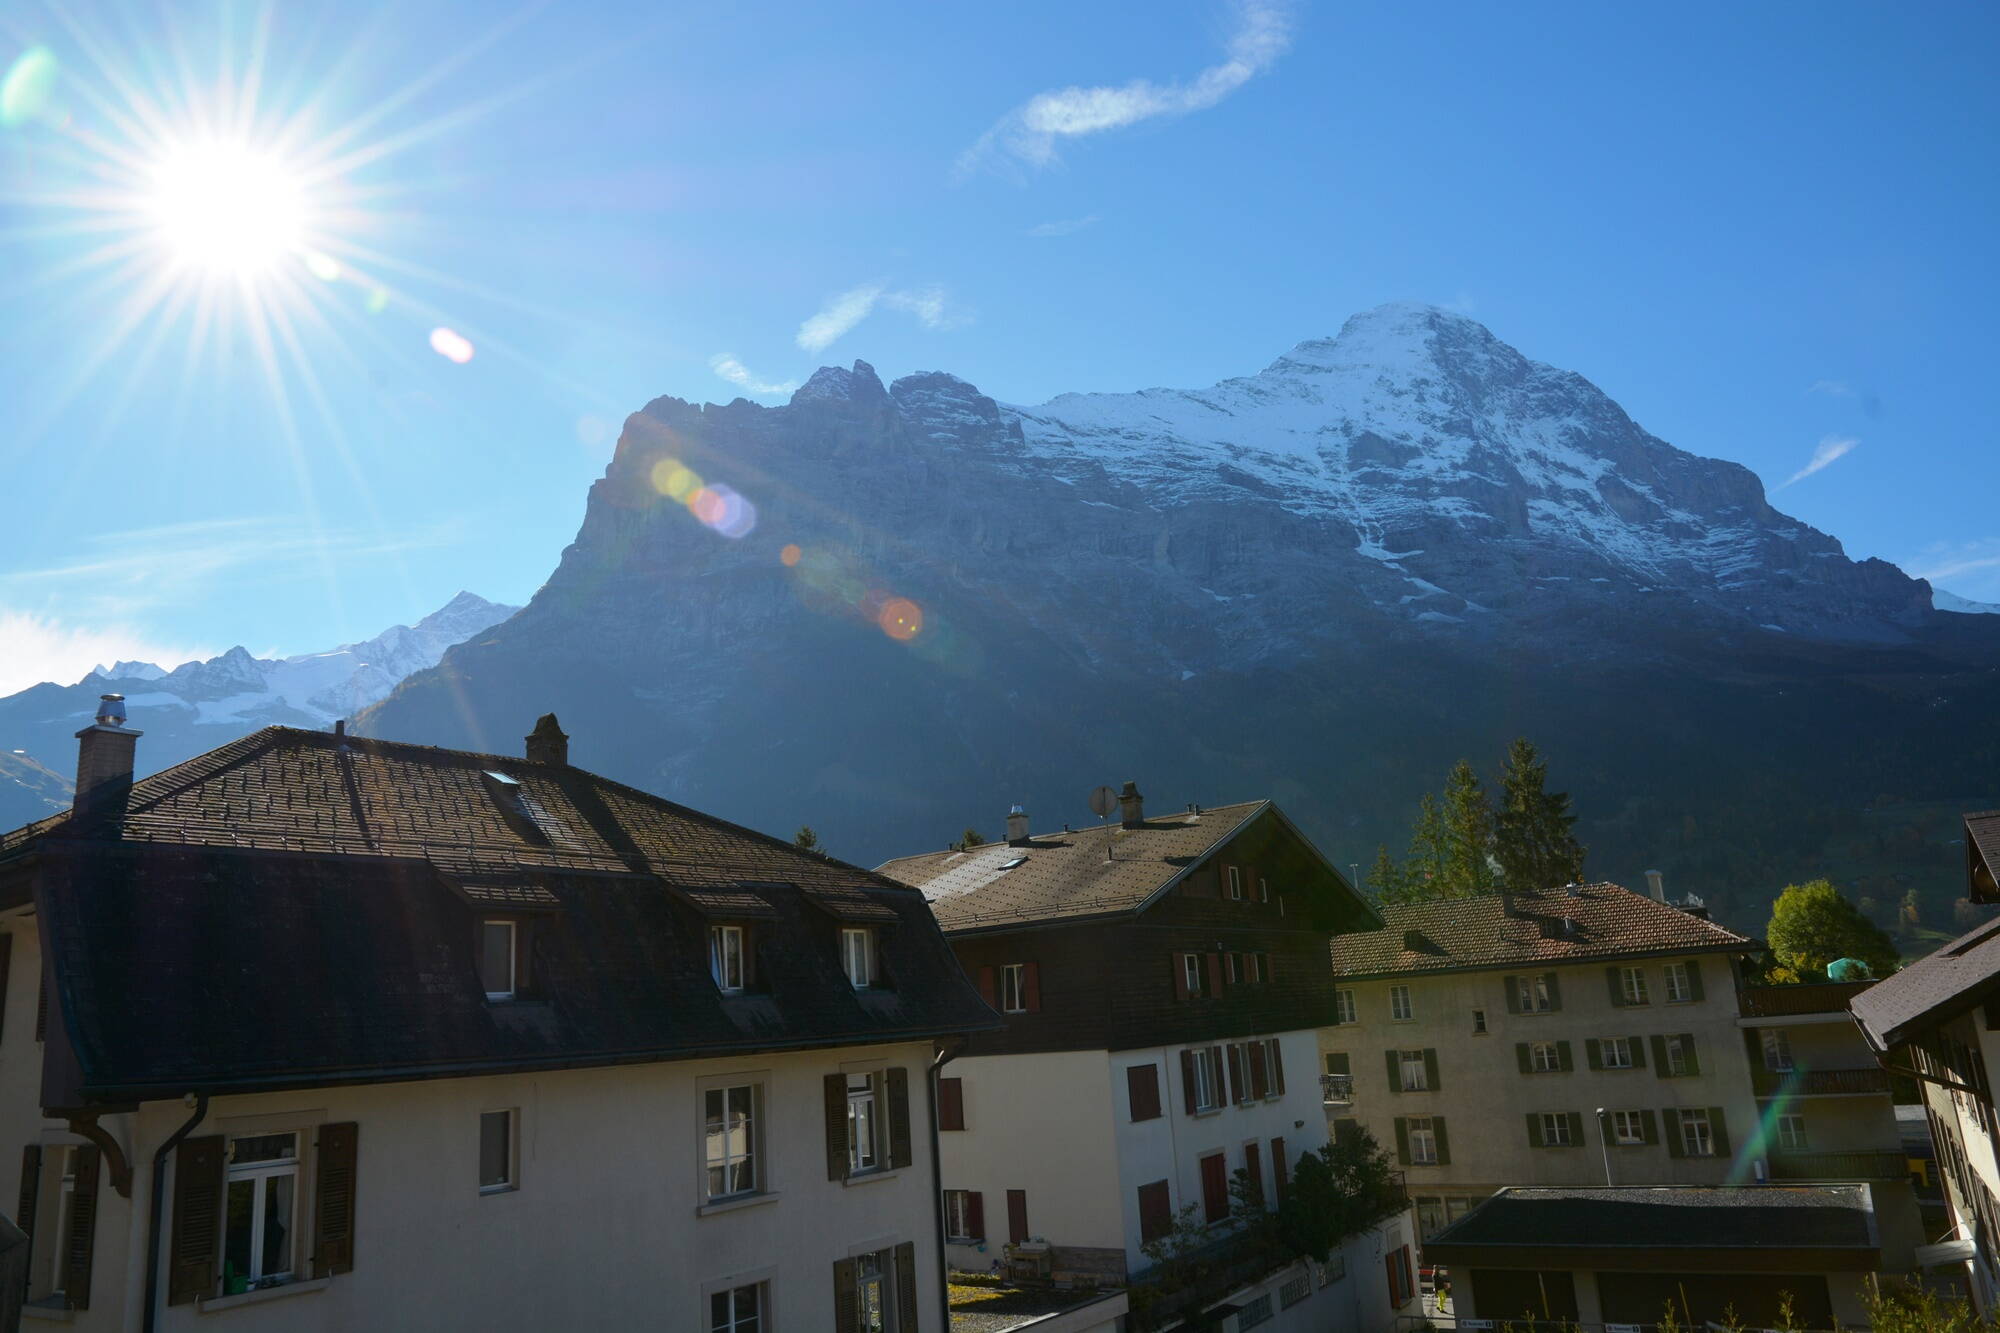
1838,1166
1820,997
1336,1089
1421,1324
1818,1082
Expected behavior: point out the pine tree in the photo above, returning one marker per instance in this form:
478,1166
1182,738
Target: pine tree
1389,882
1534,843
1468,825
805,839
972,837
1424,869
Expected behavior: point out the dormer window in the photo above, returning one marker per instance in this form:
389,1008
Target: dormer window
728,958
857,955
499,956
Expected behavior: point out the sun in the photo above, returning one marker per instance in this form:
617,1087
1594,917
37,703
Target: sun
227,208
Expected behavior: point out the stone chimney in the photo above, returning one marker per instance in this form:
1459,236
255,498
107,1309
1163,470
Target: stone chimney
546,743
1656,885
1131,806
1017,827
104,754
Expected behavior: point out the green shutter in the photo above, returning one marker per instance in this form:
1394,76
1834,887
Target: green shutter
1676,1145
1593,1052
1563,1060
1443,1143
1694,1057
1638,1045
1659,1055
1534,1130
80,1245
1719,1127
1649,1127
1395,1072
1403,1140
1513,995
1555,991
1431,1068
1615,985
1576,1129
193,1257
1694,979
1522,1056
334,1185
835,1089
898,1082
846,1300
906,1288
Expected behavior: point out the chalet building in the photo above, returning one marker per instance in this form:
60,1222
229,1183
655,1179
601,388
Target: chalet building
1579,1036
1938,1021
337,1033
1161,979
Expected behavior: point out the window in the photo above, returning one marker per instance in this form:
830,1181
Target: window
1156,1211
1534,993
1679,1063
1792,1132
951,1103
496,1152
737,1310
1478,1022
1343,1006
1235,883
1401,1289
1142,1091
1253,968
730,1125
1294,1291
1555,1130
726,958
857,955
1411,1063
1399,1004
1545,1057
1777,1051
1430,1217
1013,988
1423,1141
496,959
1191,975
1230,973
1632,983
871,1291
1697,1137
1628,1127
1679,990
1215,1188
963,1218
1254,1313
1616,1052
260,1211
863,1135
1206,1089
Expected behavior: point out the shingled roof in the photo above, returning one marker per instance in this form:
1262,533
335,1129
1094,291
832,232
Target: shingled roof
1934,989
1578,924
1982,856
297,908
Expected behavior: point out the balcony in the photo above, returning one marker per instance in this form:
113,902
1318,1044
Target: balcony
1336,1089
1838,1166
1820,997
1819,1082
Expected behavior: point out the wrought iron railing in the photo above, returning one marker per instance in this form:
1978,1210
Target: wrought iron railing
1336,1089
1818,1082
1838,1166
1821,997
1421,1324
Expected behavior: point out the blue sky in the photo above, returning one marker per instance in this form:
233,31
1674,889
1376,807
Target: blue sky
1765,230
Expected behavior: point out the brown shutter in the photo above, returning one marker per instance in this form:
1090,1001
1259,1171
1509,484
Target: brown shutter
1142,1091
1253,1167
987,989
1215,974
1280,1170
1156,1211
975,1214
906,1287
1277,1066
1017,1216
1259,1078
951,1103
339,1153
834,1087
1237,1081
1187,1080
197,1220
31,1188
846,1306
42,1005
1215,1187
79,1244
1180,976
899,1117
1031,987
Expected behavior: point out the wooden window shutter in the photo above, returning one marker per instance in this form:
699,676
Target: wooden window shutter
1395,1071
1187,1081
1215,974
1694,979
1718,1127
1259,1076
898,1081
1513,995
339,1154
1637,1045
31,1188
1431,1068
906,1287
42,1005
988,989
1156,1211
1403,1140
6,963
1555,991
1031,987
1277,1066
1280,1170
951,1103
79,1246
1593,1052
1253,1167
1616,983
835,1094
1649,1127
1017,1216
1180,976
1234,1057
1443,1140
1659,1055
1525,1058
1575,1128
1253,885
197,1219
1676,1145
1564,1061
1142,1091
975,1214
1693,1058
846,1300
1535,1129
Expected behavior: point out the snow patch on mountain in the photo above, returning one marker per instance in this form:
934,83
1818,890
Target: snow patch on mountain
1965,606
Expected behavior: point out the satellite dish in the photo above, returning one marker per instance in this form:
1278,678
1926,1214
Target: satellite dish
1103,800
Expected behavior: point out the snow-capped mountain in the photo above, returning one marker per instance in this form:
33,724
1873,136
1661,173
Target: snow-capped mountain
1965,606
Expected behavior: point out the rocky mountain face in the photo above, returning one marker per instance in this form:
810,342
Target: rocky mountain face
199,705
892,611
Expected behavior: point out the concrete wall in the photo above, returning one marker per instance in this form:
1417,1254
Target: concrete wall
1847,1293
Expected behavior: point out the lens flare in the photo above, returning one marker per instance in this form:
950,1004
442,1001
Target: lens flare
789,556
901,619
452,346
28,88
378,300
323,266
227,208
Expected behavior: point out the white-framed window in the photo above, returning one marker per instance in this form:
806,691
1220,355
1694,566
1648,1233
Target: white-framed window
497,1151
864,1130
1544,1057
1423,1141
1628,1127
857,955
958,1216
65,1169
1478,1022
1411,1063
1191,974
1263,889
1014,988
1400,1008
1677,1055
731,1127
726,957
1697,1138
1343,1006
1679,989
1777,1051
1235,883
1615,1052
1253,968
737,1309
1792,1132
496,958
1555,1130
1632,982
1534,993
1230,974
260,1211
1207,1080
872,1286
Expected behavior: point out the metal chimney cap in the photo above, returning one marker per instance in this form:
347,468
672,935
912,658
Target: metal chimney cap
111,709
1017,809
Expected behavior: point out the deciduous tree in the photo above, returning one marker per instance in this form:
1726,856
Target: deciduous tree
1812,924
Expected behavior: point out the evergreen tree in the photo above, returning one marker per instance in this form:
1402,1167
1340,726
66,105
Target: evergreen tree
1430,853
972,838
805,839
1533,839
1468,826
1387,880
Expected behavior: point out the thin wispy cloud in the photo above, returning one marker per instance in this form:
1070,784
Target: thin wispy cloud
1830,450
1063,226
35,648
729,368
1832,388
931,306
1957,560
1032,133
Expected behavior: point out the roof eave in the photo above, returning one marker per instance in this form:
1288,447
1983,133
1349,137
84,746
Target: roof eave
1512,964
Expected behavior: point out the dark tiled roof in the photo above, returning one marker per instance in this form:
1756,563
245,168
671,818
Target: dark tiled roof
1932,989
1982,855
289,911
1091,872
1454,934
1786,1217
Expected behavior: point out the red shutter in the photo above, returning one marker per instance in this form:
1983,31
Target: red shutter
1253,1167
1180,976
1215,1187
1017,1216
1187,1080
975,1214
1156,1211
951,1103
1236,1081
1142,1090
1281,1171
1258,1086
987,990
1031,987
1277,1067
1215,974
1251,893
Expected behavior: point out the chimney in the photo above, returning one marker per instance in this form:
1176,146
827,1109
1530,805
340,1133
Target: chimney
1017,827
546,743
1131,806
1656,885
104,753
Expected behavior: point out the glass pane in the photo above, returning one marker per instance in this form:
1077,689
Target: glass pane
496,957
278,1192
495,1150
718,1312
718,1181
236,1236
739,1103
264,1148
